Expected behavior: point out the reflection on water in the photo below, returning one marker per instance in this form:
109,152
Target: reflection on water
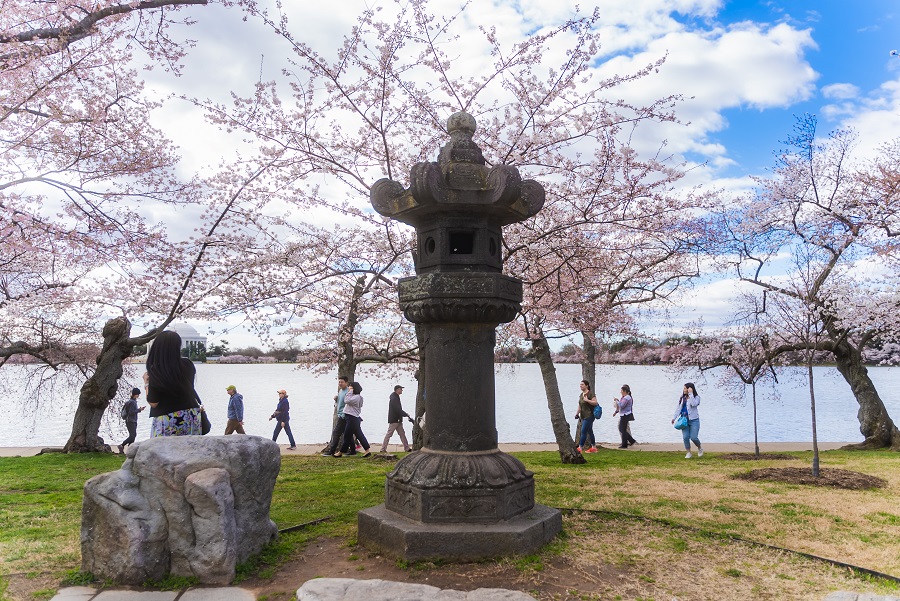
522,414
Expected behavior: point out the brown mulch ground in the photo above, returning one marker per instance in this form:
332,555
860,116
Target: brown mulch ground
827,477
753,457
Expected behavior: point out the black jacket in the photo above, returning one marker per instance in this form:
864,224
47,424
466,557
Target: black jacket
395,410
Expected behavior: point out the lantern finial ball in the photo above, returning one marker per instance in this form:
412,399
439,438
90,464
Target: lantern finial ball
461,121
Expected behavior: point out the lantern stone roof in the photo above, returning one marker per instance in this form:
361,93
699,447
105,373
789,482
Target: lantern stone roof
459,183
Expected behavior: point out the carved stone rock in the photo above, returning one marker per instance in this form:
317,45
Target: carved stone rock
181,505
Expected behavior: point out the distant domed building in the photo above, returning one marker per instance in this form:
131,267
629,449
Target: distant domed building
188,334
193,344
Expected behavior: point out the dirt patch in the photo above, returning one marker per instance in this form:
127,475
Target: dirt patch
753,457
595,559
598,559
835,478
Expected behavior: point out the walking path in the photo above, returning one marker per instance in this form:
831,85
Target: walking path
515,447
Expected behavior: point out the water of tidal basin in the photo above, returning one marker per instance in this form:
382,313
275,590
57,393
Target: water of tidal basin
522,414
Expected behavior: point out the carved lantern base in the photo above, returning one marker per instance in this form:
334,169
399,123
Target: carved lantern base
396,536
459,506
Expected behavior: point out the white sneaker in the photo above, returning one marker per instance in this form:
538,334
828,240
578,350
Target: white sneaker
688,456
699,452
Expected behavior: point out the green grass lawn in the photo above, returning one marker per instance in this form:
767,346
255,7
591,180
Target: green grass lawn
40,503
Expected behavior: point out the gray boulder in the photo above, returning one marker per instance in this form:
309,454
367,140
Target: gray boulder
180,505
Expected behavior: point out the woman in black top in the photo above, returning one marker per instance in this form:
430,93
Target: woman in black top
170,388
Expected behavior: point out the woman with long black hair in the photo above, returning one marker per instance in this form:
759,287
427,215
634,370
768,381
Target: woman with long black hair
687,405
169,382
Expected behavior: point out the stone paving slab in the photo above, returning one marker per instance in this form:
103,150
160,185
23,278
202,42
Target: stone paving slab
75,593
850,596
225,593
110,595
349,589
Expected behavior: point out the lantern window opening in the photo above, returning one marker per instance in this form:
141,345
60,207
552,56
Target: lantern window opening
462,243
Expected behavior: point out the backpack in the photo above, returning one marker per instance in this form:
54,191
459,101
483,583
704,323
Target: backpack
598,411
123,412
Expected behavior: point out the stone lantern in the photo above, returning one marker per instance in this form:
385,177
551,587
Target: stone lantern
459,497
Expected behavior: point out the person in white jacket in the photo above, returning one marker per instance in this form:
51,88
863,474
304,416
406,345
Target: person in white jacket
688,404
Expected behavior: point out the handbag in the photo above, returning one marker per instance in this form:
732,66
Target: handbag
681,422
205,425
598,411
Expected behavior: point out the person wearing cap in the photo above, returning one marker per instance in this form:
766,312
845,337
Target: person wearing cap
130,412
235,411
395,420
283,415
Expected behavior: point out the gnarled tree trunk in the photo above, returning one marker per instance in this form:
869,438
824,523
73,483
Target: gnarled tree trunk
100,388
874,422
567,450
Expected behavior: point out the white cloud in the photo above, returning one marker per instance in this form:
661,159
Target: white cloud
840,91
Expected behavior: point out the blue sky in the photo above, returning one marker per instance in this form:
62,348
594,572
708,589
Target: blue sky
745,67
853,39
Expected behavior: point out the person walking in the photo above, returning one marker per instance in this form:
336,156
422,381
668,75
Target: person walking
587,400
624,407
283,415
687,405
395,420
340,424
169,382
353,403
235,411
130,412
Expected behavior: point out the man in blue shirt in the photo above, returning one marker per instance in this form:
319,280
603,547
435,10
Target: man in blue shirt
235,411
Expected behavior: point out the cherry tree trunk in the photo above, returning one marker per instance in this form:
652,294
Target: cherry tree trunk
100,388
567,451
589,361
812,408
874,422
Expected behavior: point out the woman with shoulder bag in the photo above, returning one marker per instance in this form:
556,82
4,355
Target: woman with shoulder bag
169,382
624,406
688,404
587,400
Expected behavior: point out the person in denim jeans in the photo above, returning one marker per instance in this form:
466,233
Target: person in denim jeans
587,400
690,400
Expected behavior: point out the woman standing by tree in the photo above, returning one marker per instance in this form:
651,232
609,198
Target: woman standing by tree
587,400
169,382
688,403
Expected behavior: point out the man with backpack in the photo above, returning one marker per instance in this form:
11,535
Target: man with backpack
129,413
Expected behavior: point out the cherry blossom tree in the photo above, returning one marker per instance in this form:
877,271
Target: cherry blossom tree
341,121
636,246
837,220
78,149
739,354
